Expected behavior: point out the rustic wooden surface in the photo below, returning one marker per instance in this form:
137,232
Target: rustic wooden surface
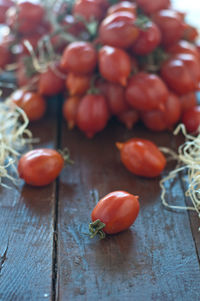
49,255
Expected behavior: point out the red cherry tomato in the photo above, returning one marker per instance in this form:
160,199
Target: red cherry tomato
70,109
190,33
181,72
129,118
25,16
171,26
72,25
188,101
77,84
118,30
89,9
4,6
33,104
150,7
184,47
51,82
191,119
79,58
114,64
142,157
158,120
93,114
146,91
124,6
114,213
149,38
40,167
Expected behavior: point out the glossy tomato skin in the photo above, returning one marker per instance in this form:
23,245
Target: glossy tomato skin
171,26
4,6
89,9
149,38
40,167
25,16
181,72
159,120
33,104
188,101
77,84
150,7
190,33
191,119
70,109
79,58
93,114
114,64
146,91
184,47
142,157
118,30
51,82
117,210
124,6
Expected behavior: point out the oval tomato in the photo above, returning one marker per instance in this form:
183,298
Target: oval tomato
171,26
33,104
150,7
191,119
123,6
89,9
79,58
142,157
93,114
184,47
114,64
149,38
118,30
146,91
114,213
129,118
77,84
40,167
181,72
188,101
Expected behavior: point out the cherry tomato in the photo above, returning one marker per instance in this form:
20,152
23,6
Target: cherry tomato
114,65
72,25
4,6
158,120
51,82
25,16
188,101
170,25
142,157
184,47
146,91
190,33
77,84
33,104
129,118
149,38
79,58
191,119
115,96
88,9
118,30
93,114
181,72
114,213
70,109
40,167
150,7
123,6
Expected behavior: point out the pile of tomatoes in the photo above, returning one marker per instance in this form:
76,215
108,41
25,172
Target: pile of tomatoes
135,60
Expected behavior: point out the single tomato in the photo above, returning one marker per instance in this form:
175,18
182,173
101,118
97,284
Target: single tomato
129,118
90,10
77,84
142,157
70,109
114,213
191,119
40,167
114,64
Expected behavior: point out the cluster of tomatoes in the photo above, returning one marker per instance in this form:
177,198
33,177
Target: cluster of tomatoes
135,60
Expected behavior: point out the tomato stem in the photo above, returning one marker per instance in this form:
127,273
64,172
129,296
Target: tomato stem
66,155
96,228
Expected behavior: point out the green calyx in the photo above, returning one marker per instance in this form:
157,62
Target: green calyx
95,228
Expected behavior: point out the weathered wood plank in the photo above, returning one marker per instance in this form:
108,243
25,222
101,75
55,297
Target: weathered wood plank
154,260
26,219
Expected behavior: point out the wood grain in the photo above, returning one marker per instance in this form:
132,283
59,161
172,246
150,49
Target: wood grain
154,260
27,219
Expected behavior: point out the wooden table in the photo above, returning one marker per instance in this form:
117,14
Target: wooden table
46,252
